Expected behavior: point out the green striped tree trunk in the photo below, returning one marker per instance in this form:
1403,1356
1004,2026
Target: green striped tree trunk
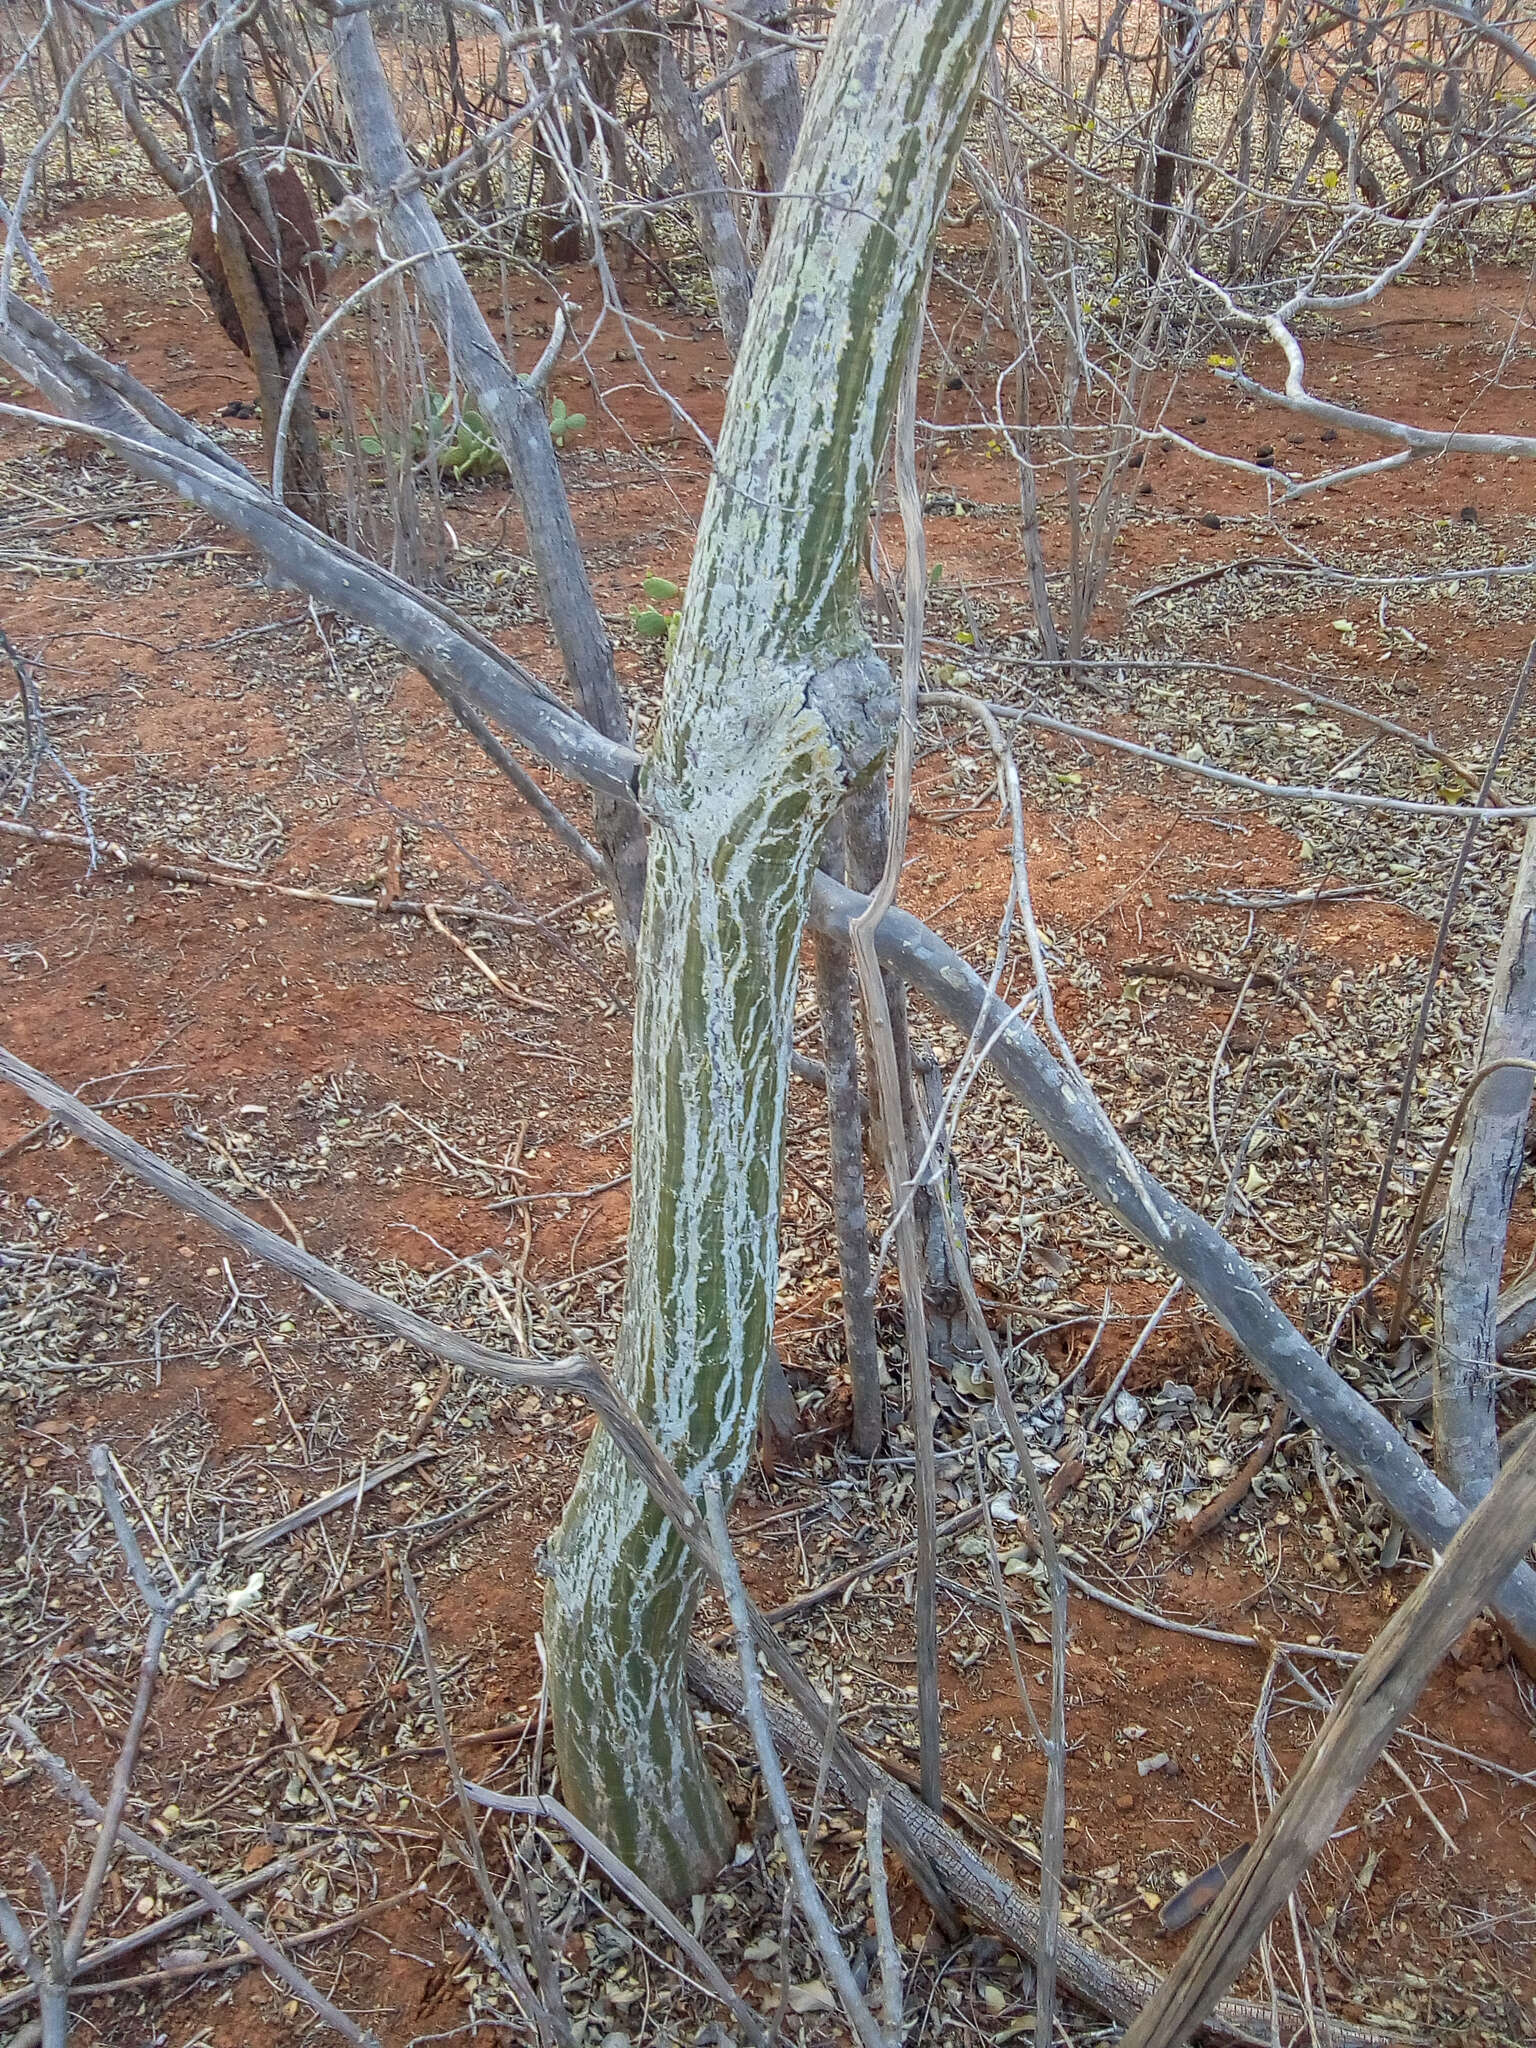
775,705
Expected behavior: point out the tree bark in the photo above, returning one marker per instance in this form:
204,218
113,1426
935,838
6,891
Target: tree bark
649,49
305,490
775,705
768,91
514,412
1183,35
1489,1155
949,1326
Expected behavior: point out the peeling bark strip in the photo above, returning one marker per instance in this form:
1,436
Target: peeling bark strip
775,704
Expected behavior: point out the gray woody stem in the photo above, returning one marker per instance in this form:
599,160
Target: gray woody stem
767,88
880,1907
1381,1690
1489,1155
1066,1109
159,444
890,1115
515,415
1053,1742
540,1806
812,1905
456,659
845,1137
648,47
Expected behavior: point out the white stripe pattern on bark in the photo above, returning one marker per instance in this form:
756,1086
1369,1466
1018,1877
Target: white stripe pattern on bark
775,704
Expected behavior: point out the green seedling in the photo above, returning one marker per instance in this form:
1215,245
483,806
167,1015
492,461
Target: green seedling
460,442
657,619
562,424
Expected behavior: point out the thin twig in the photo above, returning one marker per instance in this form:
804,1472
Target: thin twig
246,1930
812,1905
509,1957
1381,1691
1053,1819
895,1149
484,968
880,1906
544,1807
1143,1339
1437,953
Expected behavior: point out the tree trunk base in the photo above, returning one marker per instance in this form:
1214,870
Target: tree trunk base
631,1763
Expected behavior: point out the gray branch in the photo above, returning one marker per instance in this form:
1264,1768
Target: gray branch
1489,1154
1074,1120
158,443
514,412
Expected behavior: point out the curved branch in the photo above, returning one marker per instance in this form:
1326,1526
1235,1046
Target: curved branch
1231,1287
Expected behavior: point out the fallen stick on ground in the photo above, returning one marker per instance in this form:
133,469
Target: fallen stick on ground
540,1806
1379,1695
957,1525
149,864
1236,1489
994,1901
245,1930
338,1497
147,1937
240,1959
483,967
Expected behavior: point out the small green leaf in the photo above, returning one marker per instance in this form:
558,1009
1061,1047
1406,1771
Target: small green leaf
660,590
574,422
650,624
